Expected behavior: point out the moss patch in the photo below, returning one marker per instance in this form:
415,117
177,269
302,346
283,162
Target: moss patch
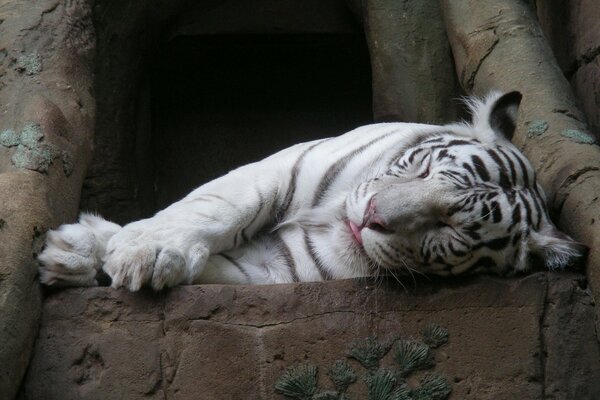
31,135
9,138
578,136
30,64
33,152
536,128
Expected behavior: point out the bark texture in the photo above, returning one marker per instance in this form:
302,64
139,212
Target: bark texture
500,45
413,76
47,106
573,30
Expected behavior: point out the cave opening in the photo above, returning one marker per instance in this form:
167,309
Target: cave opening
219,102
185,96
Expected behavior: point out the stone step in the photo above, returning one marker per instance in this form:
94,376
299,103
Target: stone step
530,337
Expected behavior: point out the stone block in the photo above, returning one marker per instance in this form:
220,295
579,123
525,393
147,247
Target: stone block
235,342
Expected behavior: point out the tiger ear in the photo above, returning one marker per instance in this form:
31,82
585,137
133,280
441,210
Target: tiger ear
556,249
503,116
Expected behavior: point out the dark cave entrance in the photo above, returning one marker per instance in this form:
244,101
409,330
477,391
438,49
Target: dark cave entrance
187,92
222,101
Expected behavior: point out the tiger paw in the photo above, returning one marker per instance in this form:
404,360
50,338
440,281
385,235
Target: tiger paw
73,253
140,256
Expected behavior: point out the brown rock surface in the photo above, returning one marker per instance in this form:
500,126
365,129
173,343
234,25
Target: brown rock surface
573,30
226,342
47,112
500,44
411,62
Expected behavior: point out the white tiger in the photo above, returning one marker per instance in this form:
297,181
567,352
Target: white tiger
396,197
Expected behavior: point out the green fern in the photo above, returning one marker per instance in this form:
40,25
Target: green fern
432,387
298,382
382,385
342,375
368,352
412,355
435,335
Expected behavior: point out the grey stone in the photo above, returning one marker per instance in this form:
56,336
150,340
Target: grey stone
36,67
234,342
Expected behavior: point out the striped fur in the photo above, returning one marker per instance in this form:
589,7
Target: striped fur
395,197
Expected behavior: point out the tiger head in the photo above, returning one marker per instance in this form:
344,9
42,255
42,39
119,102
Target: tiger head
460,200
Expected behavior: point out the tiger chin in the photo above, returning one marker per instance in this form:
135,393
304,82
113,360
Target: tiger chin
393,198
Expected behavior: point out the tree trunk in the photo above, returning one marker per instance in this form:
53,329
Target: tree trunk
413,78
498,44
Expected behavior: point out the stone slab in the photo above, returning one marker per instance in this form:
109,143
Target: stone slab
234,342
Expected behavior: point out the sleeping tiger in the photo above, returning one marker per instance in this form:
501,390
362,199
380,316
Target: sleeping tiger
393,198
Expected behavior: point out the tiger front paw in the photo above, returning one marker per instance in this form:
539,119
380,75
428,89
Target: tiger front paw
137,256
73,253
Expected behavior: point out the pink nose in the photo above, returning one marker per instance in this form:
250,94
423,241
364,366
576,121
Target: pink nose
372,220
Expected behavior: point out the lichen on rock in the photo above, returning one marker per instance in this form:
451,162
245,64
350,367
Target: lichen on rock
31,135
38,158
30,64
578,136
9,138
33,152
536,128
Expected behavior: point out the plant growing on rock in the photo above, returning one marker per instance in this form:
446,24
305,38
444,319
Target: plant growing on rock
389,383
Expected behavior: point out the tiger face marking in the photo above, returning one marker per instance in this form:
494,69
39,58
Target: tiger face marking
453,204
442,200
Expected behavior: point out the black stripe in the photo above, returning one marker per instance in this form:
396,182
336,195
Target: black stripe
494,244
516,215
538,210
504,180
484,262
471,230
325,275
414,153
523,169
485,212
480,168
338,166
437,139
527,206
261,203
387,254
235,263
469,169
459,142
289,259
289,195
221,198
443,154
496,212
511,166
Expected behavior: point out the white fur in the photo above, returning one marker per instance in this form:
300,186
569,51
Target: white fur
202,238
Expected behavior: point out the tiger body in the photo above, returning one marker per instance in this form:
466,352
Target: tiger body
394,197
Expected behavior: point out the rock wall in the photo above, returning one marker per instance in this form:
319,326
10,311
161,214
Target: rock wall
573,30
506,339
47,107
